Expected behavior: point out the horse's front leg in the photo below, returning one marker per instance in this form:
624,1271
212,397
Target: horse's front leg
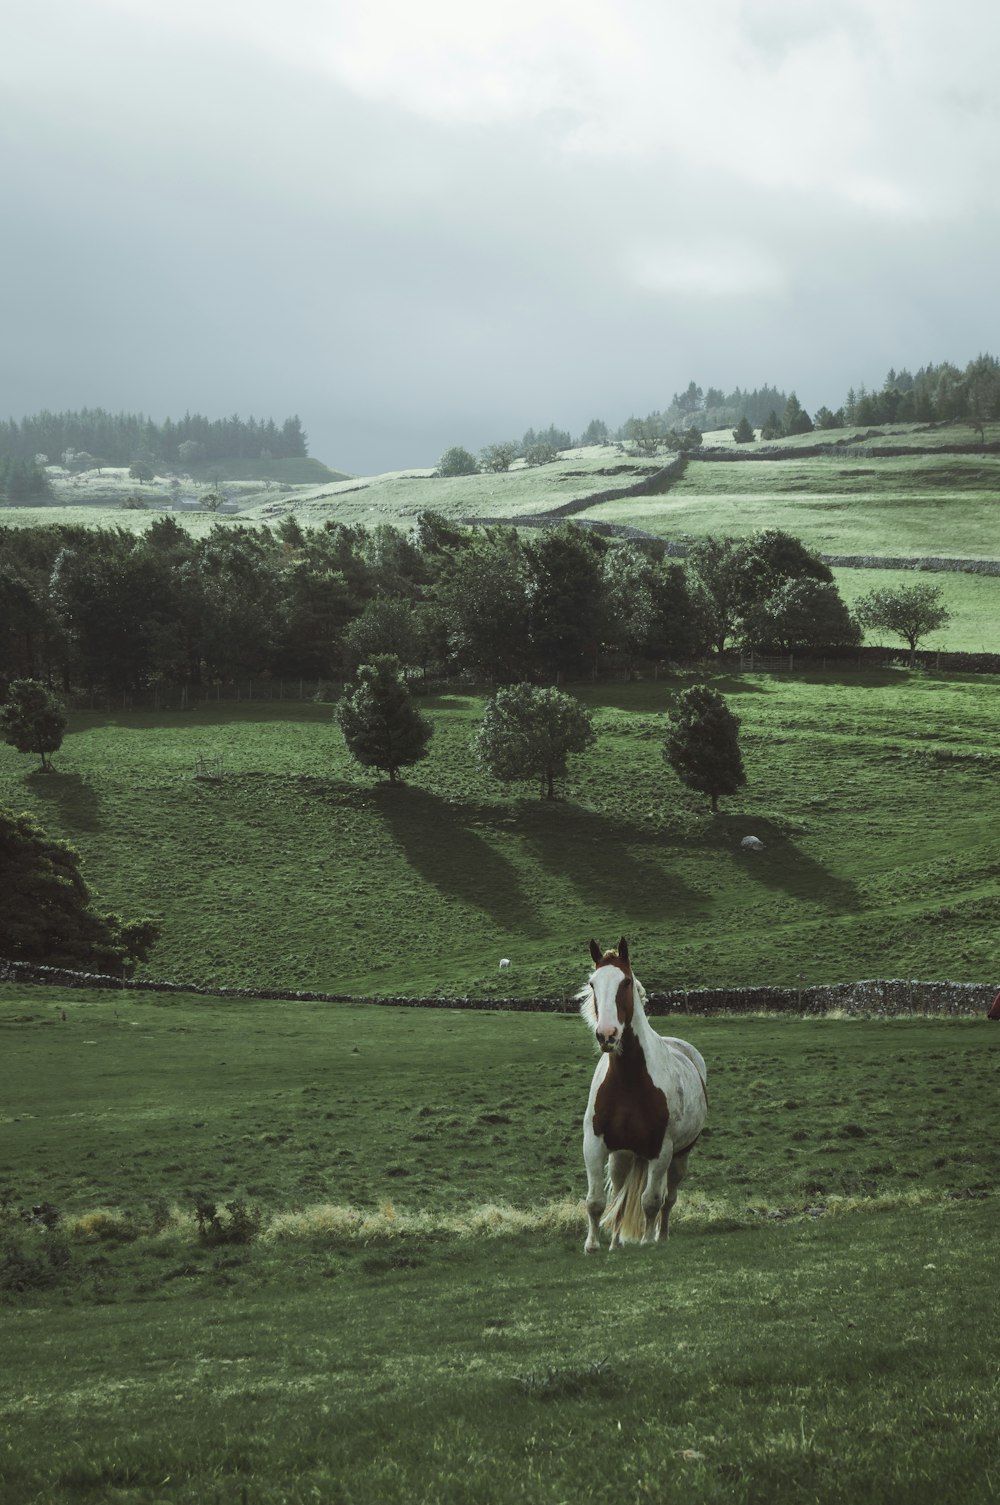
654,1193
595,1158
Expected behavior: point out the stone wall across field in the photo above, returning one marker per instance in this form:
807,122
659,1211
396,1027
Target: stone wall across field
873,998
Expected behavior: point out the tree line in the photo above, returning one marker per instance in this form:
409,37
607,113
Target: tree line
118,439
942,393
109,610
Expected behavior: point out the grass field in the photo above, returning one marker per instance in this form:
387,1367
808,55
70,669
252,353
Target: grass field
402,1309
876,795
906,507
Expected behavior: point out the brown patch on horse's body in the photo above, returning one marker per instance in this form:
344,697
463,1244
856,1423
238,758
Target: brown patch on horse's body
630,1111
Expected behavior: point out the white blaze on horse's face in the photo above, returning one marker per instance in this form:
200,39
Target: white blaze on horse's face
612,990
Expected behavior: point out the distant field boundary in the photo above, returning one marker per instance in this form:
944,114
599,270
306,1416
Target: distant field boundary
872,998
837,447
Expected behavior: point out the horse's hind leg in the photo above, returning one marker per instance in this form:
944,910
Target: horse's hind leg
653,1195
619,1166
676,1174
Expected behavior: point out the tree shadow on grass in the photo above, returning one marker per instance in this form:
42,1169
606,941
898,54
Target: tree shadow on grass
70,796
617,866
438,841
783,865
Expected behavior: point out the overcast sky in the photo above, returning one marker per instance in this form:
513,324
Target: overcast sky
419,223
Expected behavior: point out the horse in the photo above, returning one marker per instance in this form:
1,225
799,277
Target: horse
647,1107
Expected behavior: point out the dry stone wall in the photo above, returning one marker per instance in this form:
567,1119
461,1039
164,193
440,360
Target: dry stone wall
874,998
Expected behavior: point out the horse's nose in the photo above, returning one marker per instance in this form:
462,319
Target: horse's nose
606,1037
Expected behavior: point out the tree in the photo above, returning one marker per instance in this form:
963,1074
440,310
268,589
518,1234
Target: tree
801,616
457,462
771,427
715,564
796,419
497,457
689,401
743,432
644,434
143,468
982,386
596,432
48,915
646,607
32,719
386,627
766,559
381,726
564,571
486,600
908,611
529,732
702,745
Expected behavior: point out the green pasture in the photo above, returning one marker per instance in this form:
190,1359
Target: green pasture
392,1302
876,795
907,507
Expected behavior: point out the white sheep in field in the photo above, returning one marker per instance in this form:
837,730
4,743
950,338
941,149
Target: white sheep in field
504,963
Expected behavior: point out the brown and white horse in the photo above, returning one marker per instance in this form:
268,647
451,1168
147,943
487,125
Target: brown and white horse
647,1107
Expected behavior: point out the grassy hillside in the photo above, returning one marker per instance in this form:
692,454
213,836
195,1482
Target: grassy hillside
876,796
399,1307
909,506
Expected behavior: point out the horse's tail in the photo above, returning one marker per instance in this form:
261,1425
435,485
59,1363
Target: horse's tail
624,1211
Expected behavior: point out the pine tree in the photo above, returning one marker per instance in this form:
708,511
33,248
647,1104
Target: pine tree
381,726
743,432
702,745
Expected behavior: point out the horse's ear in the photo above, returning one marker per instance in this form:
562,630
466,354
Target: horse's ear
623,950
596,953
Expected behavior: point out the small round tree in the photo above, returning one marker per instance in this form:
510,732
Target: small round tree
457,461
32,719
498,457
529,732
48,914
381,726
702,745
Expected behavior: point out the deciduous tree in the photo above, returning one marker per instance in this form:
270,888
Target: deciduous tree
802,615
497,457
457,462
32,719
529,733
48,915
907,611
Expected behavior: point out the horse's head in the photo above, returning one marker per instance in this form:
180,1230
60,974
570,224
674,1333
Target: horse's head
608,1000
